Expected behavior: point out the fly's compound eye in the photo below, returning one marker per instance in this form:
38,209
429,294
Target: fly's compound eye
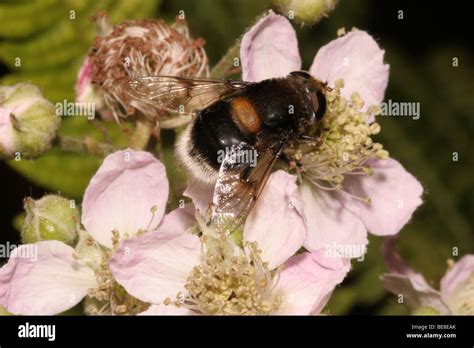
318,101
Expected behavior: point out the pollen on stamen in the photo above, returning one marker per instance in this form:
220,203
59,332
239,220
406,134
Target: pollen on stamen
109,297
229,283
347,143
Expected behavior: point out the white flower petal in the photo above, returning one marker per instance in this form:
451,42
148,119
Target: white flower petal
201,195
403,280
276,222
356,58
394,193
456,276
156,265
178,220
330,226
122,193
307,281
269,49
44,279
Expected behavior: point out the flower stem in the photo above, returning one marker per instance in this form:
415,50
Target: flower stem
225,66
142,134
86,145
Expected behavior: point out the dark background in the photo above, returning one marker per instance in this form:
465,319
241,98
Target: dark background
418,48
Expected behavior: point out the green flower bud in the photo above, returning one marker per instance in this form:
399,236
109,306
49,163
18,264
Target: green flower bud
28,122
306,12
50,218
425,310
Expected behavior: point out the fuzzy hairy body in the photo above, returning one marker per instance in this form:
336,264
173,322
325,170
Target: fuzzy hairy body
269,112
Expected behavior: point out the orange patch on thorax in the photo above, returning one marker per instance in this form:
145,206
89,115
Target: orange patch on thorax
244,112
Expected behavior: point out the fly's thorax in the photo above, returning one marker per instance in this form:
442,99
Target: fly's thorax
279,104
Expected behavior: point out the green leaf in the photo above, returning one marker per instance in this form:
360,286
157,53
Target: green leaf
67,173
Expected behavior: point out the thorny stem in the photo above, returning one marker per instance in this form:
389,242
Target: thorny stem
83,146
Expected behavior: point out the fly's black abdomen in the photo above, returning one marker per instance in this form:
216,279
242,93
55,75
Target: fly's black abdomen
213,132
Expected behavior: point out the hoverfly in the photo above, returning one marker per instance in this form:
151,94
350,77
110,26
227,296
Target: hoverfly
262,117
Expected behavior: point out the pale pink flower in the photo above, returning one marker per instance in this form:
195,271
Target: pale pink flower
127,194
456,292
47,282
330,218
122,194
156,266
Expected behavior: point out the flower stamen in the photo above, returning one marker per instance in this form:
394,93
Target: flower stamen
346,147
110,297
230,282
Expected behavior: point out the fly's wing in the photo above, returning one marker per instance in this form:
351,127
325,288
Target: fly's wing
239,185
182,95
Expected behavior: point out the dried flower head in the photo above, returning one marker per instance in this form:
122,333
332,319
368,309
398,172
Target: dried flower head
142,48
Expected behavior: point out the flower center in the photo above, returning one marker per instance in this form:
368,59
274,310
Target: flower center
461,301
346,143
110,297
231,282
